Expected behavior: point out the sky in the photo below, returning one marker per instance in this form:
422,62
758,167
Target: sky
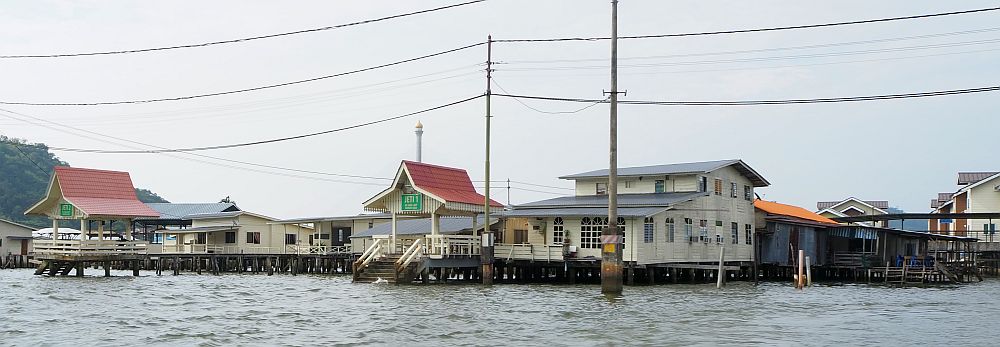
903,151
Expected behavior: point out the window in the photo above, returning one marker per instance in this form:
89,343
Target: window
749,236
340,235
990,228
648,230
558,233
290,239
202,239
747,193
157,238
718,239
628,184
658,186
602,189
718,186
689,230
670,230
702,184
520,236
371,224
590,232
703,234
230,237
253,237
732,189
736,233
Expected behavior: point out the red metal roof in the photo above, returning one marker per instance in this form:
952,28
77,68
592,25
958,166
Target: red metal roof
101,192
450,184
789,210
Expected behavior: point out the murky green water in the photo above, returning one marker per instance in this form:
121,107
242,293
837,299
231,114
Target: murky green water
321,310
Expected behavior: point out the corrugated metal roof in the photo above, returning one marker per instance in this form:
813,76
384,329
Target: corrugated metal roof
101,192
966,178
205,229
584,212
676,169
789,210
942,197
624,200
450,184
334,218
880,204
181,210
213,215
422,226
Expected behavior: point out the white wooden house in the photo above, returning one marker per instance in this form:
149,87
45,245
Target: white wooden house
675,213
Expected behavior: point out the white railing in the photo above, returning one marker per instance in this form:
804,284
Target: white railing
528,251
451,245
415,251
88,247
373,252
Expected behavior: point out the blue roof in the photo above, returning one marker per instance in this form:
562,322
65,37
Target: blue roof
584,212
677,169
422,226
624,200
182,210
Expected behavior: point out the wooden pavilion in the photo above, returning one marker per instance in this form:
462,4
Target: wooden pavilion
101,197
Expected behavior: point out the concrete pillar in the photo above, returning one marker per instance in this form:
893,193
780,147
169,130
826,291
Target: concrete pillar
55,229
100,230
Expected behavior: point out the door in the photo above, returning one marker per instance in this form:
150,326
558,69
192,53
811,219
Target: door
24,247
341,236
793,243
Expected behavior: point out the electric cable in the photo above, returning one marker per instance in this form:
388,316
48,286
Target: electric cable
252,38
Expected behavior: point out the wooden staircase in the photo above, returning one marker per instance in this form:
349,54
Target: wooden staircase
385,269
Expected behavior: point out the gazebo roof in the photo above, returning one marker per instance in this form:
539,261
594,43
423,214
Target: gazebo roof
451,187
94,192
449,184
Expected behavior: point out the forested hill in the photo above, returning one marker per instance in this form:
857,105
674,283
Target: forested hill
24,176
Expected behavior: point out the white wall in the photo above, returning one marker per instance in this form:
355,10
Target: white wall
12,246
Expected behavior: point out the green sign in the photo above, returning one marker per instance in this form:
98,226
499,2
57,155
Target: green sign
412,202
65,210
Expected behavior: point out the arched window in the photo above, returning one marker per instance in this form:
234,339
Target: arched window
590,232
558,233
648,230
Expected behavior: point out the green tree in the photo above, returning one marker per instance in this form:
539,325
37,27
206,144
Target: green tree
25,171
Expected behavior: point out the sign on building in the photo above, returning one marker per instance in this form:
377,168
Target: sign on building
65,210
412,202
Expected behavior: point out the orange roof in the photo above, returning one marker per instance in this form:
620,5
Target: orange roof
791,211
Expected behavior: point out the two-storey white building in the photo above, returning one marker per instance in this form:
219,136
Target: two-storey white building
675,213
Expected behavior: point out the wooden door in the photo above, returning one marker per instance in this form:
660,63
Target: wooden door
24,247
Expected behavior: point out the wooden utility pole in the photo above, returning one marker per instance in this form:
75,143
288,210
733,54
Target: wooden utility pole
611,250
486,253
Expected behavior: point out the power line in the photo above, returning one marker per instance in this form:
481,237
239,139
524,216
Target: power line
213,43
771,58
770,102
253,143
761,50
779,66
740,31
542,111
540,185
192,154
285,84
25,155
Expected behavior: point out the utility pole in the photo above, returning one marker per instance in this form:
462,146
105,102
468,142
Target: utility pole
486,254
611,250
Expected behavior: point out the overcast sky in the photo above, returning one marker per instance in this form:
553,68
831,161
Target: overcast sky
903,151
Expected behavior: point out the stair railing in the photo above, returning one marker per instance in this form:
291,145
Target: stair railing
373,252
415,251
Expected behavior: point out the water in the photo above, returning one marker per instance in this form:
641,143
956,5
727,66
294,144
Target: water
259,310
